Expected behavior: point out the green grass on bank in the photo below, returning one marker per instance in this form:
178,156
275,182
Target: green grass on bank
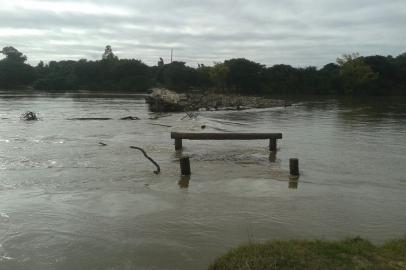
348,254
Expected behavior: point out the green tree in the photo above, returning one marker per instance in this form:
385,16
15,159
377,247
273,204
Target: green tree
59,76
178,76
131,74
400,74
203,76
218,75
281,79
13,55
330,79
357,76
108,54
245,75
14,73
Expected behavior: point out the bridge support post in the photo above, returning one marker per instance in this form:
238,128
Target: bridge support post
294,167
185,166
272,145
178,144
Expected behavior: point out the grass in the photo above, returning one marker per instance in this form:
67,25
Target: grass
347,254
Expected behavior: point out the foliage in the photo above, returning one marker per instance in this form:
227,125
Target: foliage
281,79
12,54
351,75
178,76
203,76
14,73
357,76
348,254
218,75
108,54
116,75
244,75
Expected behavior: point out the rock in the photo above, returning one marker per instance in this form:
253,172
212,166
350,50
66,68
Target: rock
164,100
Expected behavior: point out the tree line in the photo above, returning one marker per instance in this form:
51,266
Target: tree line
350,75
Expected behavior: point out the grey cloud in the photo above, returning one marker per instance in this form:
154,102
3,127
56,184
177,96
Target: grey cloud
297,32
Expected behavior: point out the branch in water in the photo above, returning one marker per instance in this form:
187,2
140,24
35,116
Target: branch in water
153,161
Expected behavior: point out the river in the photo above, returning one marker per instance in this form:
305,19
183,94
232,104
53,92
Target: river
67,202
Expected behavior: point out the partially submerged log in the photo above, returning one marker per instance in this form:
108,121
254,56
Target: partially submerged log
164,100
130,118
102,118
90,118
162,125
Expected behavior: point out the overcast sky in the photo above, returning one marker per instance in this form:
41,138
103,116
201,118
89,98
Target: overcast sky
296,32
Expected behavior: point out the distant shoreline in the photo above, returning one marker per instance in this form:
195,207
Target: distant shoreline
222,92
351,75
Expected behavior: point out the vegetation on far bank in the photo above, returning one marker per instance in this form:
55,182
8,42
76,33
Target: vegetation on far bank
348,254
350,75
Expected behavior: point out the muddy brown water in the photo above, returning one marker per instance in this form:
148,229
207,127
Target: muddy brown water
68,202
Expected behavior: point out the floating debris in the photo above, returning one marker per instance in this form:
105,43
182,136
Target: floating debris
102,118
29,116
162,125
130,118
191,115
102,144
90,118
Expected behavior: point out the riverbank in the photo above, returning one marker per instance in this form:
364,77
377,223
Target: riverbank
347,254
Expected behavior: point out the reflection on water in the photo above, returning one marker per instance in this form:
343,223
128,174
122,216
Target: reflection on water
272,156
184,181
68,202
293,184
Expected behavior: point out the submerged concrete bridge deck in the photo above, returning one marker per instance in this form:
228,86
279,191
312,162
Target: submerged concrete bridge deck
272,137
